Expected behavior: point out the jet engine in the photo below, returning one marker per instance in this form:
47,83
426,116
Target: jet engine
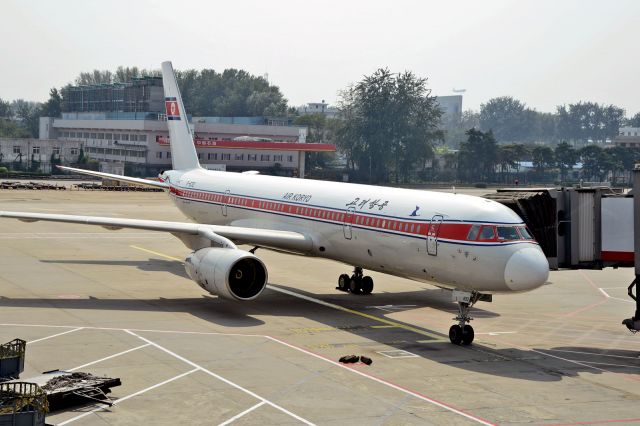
229,273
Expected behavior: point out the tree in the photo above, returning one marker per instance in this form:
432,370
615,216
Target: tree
507,118
566,158
53,107
28,115
542,157
232,93
589,121
478,157
633,121
509,157
5,109
390,122
596,162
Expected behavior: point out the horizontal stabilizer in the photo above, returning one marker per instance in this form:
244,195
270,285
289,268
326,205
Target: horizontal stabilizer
120,178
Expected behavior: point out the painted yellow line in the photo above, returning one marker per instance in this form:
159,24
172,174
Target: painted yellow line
166,256
387,323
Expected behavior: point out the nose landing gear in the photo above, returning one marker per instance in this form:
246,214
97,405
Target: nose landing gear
462,333
357,283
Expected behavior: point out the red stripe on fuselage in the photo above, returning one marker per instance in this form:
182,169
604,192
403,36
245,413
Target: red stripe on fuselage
448,231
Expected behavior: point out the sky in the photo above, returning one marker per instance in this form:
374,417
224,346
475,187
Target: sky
545,53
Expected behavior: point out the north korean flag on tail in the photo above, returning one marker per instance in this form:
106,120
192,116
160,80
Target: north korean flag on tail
173,111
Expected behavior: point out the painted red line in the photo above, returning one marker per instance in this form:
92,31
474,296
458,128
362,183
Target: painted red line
596,422
586,308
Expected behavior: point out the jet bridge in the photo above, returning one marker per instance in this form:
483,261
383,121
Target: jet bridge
583,228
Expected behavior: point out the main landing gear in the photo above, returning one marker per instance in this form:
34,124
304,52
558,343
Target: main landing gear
462,333
357,283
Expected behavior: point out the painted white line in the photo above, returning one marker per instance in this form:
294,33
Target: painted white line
247,411
337,364
612,364
108,357
222,379
397,354
157,385
389,384
611,297
54,335
583,364
592,353
497,333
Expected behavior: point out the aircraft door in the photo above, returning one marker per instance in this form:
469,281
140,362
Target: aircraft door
225,201
346,225
432,235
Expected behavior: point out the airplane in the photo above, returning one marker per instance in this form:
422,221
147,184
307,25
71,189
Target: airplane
470,245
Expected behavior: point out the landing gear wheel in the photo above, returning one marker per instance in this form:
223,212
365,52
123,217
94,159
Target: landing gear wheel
354,286
455,334
367,285
467,334
343,282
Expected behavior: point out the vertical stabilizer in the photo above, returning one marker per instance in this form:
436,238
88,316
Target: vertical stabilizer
183,151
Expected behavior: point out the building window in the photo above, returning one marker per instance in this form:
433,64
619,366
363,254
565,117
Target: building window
74,151
252,157
168,154
199,156
226,157
133,138
124,137
86,135
290,158
142,138
116,136
100,135
265,157
94,136
159,154
239,157
36,150
56,150
212,156
277,158
108,136
16,150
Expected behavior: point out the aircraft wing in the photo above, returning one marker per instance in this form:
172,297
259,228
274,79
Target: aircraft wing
147,182
194,235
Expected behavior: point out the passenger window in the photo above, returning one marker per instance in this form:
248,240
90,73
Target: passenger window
487,233
508,233
473,233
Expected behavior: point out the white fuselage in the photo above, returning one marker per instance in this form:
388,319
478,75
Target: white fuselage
419,235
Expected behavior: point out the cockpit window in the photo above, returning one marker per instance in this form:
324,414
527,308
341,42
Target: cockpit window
524,232
487,233
473,233
508,233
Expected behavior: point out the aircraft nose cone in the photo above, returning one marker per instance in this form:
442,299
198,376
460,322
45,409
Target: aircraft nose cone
526,269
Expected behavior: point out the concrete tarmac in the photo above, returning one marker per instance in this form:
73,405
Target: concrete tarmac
118,303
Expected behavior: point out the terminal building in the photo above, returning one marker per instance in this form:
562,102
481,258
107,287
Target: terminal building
628,137
124,124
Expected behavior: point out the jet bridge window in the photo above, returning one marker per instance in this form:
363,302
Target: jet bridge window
508,233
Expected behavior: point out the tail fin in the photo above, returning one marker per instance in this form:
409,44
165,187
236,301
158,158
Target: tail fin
183,151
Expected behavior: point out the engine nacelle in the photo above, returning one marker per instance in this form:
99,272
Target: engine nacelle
229,273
